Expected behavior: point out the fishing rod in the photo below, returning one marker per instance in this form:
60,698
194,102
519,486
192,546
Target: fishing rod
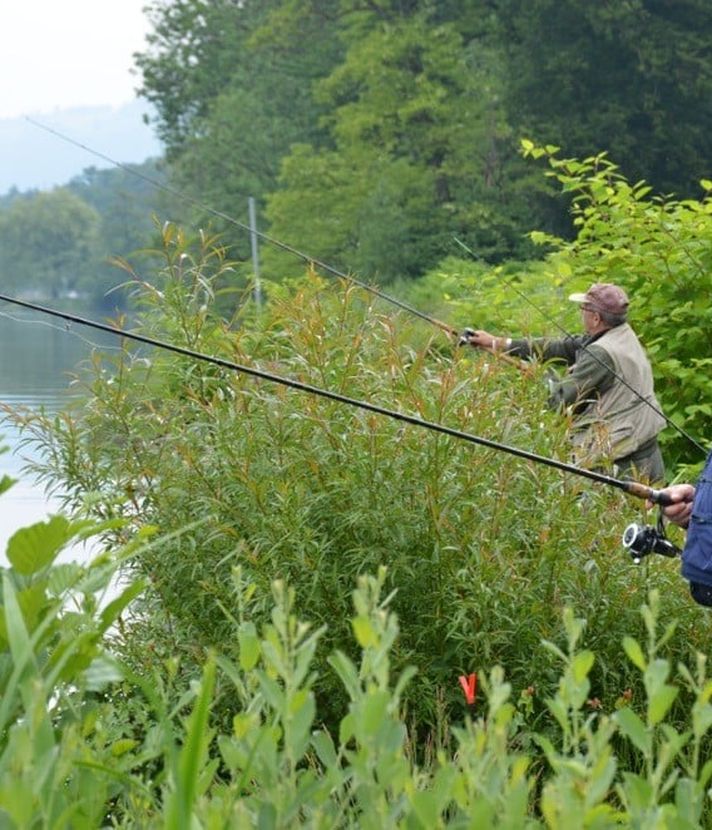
265,237
509,283
329,269
448,329
633,488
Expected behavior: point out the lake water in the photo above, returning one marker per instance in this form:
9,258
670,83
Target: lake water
38,355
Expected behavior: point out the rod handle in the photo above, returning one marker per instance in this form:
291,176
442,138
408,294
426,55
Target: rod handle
660,497
642,491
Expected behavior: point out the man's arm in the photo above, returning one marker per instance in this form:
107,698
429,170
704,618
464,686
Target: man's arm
546,348
543,348
591,376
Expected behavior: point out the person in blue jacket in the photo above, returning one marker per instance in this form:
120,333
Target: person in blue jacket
691,508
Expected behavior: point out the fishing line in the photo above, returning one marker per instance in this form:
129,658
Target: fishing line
66,329
323,265
631,487
592,354
265,237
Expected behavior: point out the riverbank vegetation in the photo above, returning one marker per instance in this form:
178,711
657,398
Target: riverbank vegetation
294,593
268,505
89,739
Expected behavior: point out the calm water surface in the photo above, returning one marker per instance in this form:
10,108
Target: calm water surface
38,356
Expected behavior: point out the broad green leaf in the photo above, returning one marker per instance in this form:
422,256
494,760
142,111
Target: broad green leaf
634,729
364,632
32,548
64,576
102,672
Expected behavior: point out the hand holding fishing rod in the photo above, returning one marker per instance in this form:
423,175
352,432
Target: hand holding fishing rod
608,386
484,340
678,507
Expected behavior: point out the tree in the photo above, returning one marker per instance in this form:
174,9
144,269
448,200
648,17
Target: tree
232,87
47,242
632,78
420,151
127,206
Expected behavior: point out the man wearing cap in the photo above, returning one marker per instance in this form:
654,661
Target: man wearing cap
609,384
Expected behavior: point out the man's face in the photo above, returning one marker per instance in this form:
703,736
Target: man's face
591,319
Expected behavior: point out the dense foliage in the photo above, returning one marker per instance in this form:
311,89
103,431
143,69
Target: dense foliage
399,124
660,250
60,243
249,483
85,741
314,492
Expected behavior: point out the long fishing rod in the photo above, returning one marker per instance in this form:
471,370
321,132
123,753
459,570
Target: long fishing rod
330,269
232,221
633,488
453,332
509,283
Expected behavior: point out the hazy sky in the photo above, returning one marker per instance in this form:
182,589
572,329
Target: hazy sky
65,53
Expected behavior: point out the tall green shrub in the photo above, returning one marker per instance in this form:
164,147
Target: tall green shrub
660,250
483,550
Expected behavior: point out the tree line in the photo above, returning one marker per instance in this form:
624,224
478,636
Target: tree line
373,133
61,243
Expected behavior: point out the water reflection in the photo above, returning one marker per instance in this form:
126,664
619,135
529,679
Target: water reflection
39,358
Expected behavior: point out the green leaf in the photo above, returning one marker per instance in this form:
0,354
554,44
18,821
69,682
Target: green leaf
122,746
364,632
347,672
634,729
64,576
17,633
582,664
32,548
635,652
102,672
325,749
249,644
660,703
179,810
6,483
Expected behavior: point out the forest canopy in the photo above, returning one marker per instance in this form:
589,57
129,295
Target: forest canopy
373,134
399,125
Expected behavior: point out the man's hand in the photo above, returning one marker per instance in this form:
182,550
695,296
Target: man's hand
483,339
679,511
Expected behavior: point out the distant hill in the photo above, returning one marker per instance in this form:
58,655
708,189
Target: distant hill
32,158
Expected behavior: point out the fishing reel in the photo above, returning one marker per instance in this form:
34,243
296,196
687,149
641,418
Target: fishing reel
465,336
642,540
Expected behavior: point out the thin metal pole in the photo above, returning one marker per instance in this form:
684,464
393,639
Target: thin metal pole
255,251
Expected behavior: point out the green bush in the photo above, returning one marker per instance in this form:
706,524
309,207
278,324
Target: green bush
484,550
87,742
